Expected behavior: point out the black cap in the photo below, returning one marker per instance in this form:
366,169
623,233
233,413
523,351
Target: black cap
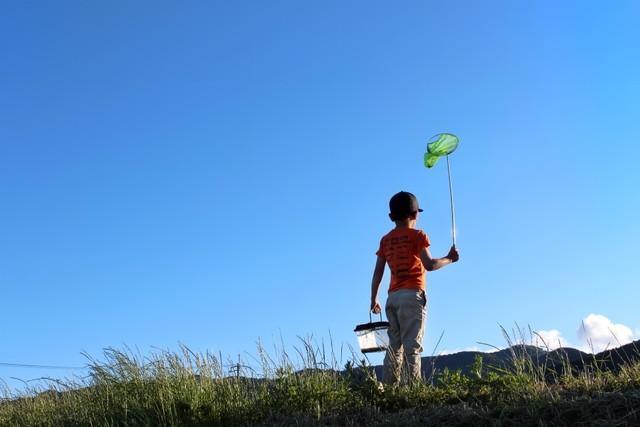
403,204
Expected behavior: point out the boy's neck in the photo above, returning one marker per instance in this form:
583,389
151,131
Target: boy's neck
407,223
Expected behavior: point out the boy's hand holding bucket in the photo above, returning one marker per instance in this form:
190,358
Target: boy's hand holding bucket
375,306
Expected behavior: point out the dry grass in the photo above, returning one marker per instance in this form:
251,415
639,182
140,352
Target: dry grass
187,388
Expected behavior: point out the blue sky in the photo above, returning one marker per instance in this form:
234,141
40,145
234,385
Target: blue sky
214,173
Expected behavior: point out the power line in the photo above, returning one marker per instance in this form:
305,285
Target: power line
24,365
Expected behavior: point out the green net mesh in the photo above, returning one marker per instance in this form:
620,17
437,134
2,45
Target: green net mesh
443,144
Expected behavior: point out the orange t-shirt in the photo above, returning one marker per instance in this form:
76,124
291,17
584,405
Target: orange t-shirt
401,248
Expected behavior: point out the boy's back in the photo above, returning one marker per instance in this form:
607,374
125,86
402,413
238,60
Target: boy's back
401,249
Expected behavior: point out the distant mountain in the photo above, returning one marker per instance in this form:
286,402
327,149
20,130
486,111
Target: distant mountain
554,362
609,360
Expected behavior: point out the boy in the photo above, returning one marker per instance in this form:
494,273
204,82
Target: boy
406,250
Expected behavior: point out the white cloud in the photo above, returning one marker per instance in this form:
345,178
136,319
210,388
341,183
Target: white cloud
595,334
598,333
550,340
458,350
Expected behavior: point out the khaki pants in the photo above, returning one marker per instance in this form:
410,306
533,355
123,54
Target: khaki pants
405,311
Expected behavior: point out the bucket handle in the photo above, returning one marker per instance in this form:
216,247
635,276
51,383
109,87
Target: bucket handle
371,320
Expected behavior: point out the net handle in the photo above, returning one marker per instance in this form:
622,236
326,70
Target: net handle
371,320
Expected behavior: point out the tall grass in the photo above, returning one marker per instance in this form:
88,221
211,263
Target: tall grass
314,388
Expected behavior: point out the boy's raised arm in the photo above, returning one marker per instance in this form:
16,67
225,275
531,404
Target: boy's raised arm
431,264
378,272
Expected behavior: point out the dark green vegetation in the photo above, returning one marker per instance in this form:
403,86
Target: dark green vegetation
194,389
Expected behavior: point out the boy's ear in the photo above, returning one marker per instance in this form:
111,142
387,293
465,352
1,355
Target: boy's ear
391,217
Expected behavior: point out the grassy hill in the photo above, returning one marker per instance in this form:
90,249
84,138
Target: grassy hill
193,389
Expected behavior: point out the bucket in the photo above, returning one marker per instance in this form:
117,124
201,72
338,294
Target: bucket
372,336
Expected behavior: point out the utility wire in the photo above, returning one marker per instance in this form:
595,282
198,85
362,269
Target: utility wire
24,365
